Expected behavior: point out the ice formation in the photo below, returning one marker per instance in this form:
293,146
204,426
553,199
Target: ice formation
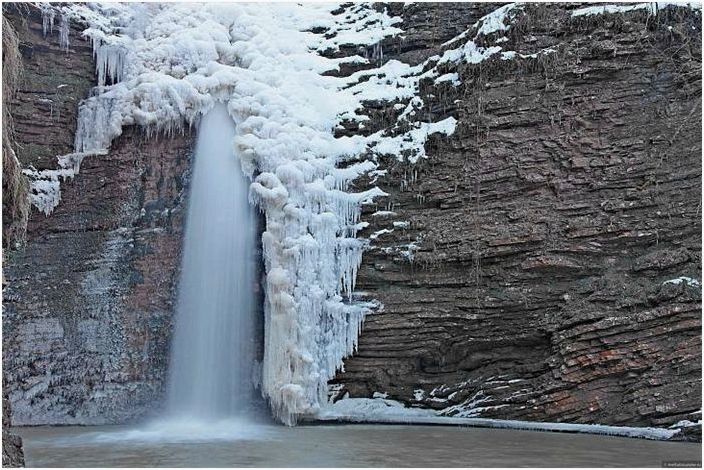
683,279
651,7
383,410
48,19
44,185
163,66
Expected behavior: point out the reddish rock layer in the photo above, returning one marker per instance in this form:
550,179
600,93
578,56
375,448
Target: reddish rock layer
88,302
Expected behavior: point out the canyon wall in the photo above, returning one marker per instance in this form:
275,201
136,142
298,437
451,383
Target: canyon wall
88,301
531,267
532,272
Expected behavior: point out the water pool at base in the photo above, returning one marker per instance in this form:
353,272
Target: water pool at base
222,445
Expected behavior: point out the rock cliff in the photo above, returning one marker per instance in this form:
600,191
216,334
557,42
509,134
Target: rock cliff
542,263
12,453
88,301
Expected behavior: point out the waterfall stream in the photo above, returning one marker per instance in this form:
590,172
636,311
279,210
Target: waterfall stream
213,344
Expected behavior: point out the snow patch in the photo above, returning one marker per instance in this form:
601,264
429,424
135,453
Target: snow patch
452,78
372,409
411,145
45,185
360,410
687,280
651,7
685,423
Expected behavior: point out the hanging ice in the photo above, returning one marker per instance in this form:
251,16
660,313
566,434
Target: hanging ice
173,63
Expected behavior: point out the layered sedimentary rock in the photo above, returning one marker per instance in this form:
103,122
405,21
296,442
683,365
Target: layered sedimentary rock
543,263
15,186
88,302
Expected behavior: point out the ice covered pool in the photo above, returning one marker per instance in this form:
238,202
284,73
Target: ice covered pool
339,446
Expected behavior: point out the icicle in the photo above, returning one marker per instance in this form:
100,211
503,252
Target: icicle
64,28
47,20
109,61
166,72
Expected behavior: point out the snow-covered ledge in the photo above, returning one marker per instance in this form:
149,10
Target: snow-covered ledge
385,411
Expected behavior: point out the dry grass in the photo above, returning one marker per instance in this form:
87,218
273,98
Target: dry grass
15,186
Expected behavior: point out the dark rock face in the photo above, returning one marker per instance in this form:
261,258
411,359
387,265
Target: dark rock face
15,185
530,281
88,302
12,453
52,84
526,276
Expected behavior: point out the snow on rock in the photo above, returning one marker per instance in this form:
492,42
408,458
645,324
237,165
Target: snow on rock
495,21
487,25
452,78
399,82
44,185
685,423
372,409
686,280
651,7
382,410
384,214
163,66
411,144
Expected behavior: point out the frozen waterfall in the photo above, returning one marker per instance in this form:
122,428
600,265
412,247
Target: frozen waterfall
214,339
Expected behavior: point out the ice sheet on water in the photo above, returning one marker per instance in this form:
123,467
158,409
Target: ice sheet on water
382,410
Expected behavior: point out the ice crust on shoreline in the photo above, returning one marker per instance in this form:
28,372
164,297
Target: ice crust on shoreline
386,411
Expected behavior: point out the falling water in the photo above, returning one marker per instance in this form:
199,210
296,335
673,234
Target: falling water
213,345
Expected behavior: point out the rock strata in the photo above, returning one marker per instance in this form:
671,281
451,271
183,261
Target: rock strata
527,267
12,453
88,302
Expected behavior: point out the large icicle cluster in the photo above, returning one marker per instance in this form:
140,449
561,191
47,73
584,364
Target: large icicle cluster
162,66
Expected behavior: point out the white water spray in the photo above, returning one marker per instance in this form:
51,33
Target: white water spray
214,338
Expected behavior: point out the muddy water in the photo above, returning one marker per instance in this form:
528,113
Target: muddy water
338,446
